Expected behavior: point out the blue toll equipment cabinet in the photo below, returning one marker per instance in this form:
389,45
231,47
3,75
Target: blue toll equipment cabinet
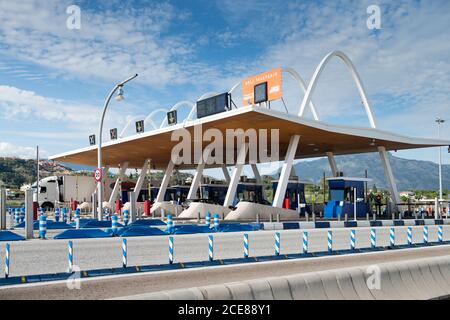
295,195
341,197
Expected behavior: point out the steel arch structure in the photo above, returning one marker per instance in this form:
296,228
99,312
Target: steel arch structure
356,78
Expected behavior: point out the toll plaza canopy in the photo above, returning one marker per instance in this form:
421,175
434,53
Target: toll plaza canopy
317,138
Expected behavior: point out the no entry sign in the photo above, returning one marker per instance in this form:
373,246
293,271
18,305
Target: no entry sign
98,175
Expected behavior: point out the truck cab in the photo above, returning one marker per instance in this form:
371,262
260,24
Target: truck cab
48,192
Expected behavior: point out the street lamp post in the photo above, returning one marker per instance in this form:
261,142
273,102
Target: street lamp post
99,147
440,121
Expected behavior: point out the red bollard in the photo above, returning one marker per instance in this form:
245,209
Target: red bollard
147,207
118,206
74,205
286,204
35,210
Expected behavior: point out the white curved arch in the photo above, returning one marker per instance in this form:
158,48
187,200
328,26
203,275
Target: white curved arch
132,119
175,107
356,78
149,118
234,87
194,107
301,84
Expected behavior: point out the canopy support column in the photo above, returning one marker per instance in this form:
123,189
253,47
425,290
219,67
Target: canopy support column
232,187
389,176
196,181
285,172
332,162
116,188
226,173
165,182
256,173
141,179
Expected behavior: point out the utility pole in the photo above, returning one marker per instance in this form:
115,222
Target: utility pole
37,183
440,121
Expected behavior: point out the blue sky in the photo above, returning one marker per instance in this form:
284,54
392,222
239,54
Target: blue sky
53,80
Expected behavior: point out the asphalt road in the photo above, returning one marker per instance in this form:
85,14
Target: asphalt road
50,256
133,285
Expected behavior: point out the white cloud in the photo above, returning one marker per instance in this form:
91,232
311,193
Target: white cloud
22,104
111,44
10,150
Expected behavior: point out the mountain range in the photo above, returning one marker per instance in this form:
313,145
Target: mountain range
409,174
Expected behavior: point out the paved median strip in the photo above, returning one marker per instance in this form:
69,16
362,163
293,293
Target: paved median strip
7,280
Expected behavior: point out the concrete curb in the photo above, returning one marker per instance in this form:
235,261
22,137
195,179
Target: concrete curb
408,280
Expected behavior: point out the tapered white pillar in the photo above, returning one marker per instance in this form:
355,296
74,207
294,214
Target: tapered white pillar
332,162
232,187
116,188
141,179
256,173
389,176
226,174
196,181
165,182
285,172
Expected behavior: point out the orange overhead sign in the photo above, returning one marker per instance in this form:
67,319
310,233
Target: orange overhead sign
273,79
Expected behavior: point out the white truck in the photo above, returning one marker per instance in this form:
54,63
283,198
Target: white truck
64,189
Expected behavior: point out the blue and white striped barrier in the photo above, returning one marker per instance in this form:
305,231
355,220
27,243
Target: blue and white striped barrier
392,237
64,214
348,224
216,222
70,255
57,215
208,219
42,226
425,234
211,247
77,218
353,239
440,233
277,243
17,215
107,214
126,217
7,259
124,253
245,245
114,223
373,237
409,238
169,224
305,242
170,250
330,241
22,214
41,212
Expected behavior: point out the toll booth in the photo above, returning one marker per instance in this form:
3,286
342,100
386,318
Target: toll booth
294,198
177,193
341,199
249,192
246,191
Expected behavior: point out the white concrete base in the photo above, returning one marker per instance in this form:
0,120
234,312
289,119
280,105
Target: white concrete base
203,209
248,211
169,208
139,206
85,206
